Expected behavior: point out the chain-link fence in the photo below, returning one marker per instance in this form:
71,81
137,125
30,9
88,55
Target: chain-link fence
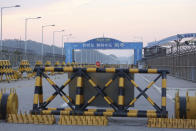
15,55
181,66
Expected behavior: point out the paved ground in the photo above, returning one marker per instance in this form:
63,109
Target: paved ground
173,85
25,89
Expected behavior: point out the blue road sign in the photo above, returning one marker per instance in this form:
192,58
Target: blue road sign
103,43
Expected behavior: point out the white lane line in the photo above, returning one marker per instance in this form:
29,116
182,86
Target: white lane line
157,88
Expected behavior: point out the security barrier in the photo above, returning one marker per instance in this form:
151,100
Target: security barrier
83,120
63,64
7,71
79,106
57,64
171,123
38,64
185,107
185,114
31,119
25,67
47,64
8,103
84,65
17,74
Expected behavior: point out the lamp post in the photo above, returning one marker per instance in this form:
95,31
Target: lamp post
2,22
54,39
26,22
43,39
68,35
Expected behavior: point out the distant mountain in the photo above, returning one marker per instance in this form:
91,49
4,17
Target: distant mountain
32,46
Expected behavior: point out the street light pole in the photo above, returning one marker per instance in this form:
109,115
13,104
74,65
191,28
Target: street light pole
53,43
43,39
1,28
2,23
69,35
26,22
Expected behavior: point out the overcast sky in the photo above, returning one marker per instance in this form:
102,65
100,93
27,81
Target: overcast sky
125,20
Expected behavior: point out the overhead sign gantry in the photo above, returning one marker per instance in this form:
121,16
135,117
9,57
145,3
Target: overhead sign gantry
103,43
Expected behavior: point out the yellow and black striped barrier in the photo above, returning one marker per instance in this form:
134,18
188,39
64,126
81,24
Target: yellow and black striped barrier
31,119
57,64
84,65
7,71
79,96
83,120
63,64
185,106
101,112
25,67
48,64
101,70
171,123
185,114
79,106
38,64
8,103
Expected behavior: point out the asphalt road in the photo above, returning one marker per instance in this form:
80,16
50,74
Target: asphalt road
25,89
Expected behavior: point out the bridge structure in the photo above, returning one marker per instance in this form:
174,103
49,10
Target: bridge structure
103,43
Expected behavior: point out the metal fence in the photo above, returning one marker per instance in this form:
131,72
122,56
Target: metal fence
180,65
16,55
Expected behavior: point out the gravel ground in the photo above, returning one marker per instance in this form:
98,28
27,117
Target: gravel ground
25,89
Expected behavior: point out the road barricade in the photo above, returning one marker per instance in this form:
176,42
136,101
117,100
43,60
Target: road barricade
79,106
172,123
185,106
48,64
7,71
83,120
37,64
57,64
63,64
25,68
31,119
8,103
